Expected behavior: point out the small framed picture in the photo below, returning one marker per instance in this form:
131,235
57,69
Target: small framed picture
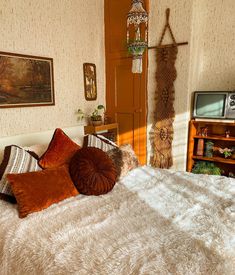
90,87
26,80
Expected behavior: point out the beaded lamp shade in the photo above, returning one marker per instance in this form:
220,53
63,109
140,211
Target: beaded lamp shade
137,34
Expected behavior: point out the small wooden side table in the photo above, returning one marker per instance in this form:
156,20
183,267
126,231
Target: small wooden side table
109,131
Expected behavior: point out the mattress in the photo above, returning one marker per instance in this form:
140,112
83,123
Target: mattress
153,222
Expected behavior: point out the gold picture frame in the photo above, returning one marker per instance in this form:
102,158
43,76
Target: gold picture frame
90,85
26,80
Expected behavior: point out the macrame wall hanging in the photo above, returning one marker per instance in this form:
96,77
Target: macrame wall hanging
162,133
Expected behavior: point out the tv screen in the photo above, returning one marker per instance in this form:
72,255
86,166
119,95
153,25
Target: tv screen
210,105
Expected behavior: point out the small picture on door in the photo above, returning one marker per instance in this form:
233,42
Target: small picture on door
90,87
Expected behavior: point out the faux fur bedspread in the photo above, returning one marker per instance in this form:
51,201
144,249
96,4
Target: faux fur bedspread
153,222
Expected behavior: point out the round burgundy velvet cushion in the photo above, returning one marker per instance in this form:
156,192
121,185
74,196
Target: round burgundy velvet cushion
92,171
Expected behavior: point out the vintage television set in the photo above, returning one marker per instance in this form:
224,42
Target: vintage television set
214,105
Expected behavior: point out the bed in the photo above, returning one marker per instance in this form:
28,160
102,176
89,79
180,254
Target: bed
154,221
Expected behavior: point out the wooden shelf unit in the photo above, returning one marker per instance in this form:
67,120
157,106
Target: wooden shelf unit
215,159
216,138
216,133
108,130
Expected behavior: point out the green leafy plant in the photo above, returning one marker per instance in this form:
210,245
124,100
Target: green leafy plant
226,152
203,167
101,107
95,115
137,47
80,114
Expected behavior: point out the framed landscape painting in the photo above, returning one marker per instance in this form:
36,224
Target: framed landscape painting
26,80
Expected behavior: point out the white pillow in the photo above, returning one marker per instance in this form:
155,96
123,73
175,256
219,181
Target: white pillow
78,140
38,149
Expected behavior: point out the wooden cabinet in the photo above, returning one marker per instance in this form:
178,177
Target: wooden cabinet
216,133
109,131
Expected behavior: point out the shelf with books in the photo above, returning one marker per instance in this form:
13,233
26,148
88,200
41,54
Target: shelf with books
218,136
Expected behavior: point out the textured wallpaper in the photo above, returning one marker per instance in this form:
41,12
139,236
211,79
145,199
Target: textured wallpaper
69,31
213,45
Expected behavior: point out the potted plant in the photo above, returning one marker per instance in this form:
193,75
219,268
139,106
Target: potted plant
226,152
203,167
80,114
96,117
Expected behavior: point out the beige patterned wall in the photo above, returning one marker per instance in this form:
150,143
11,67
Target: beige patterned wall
213,45
69,31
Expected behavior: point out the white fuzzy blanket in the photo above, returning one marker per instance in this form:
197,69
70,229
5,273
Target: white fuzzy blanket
153,222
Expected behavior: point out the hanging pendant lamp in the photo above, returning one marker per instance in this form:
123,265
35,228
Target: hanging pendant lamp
137,34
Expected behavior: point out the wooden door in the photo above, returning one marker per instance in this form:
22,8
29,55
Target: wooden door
125,92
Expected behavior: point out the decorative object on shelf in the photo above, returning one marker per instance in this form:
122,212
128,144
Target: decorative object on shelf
96,119
34,84
227,133
96,116
203,131
226,152
203,167
100,108
137,23
90,86
80,115
209,149
200,147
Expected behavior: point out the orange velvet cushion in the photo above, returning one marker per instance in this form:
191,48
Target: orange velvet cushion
36,191
92,171
60,151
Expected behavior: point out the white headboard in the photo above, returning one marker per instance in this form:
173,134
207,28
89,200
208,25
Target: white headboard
40,137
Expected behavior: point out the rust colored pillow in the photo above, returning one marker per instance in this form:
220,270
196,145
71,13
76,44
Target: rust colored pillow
92,171
36,191
59,152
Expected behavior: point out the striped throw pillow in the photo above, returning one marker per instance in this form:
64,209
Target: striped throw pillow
99,142
16,160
